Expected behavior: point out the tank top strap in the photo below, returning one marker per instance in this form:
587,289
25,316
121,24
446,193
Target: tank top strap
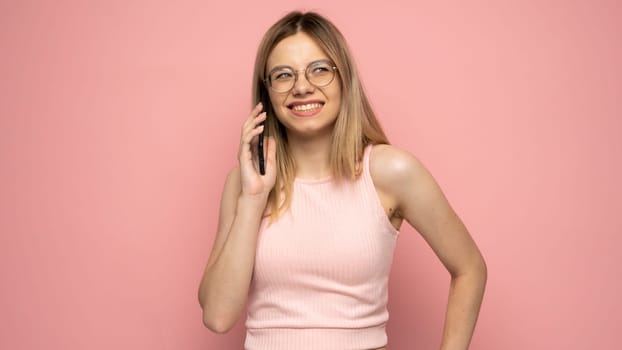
366,180
366,156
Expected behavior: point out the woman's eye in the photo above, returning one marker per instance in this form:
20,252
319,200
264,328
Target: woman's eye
282,76
321,71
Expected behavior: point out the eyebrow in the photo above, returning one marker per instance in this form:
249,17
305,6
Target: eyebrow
324,60
280,67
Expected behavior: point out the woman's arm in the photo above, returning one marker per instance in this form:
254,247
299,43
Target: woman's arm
421,202
226,280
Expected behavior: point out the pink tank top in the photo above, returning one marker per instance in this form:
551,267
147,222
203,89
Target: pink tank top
321,271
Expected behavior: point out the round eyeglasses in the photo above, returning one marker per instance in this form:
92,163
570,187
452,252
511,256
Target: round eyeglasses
283,78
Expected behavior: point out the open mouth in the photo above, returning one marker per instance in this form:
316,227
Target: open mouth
305,107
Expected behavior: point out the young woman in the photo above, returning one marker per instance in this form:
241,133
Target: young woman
308,245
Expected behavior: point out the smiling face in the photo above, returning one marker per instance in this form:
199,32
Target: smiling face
306,110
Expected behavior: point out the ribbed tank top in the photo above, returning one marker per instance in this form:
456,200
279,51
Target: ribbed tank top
321,271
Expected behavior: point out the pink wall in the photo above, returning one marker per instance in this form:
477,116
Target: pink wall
120,119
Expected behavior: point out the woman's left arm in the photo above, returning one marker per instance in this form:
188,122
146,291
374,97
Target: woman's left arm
420,201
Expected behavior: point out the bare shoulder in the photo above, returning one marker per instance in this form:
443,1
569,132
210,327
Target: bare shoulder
403,180
390,166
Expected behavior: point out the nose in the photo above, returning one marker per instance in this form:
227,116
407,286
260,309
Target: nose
301,84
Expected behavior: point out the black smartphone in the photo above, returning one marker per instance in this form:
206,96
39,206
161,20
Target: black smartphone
260,156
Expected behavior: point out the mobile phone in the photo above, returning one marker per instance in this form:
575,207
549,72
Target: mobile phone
260,156
262,162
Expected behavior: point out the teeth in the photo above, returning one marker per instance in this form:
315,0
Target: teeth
307,107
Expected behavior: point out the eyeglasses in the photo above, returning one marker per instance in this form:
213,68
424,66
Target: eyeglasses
283,78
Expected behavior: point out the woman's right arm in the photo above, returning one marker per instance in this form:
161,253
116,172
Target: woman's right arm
226,280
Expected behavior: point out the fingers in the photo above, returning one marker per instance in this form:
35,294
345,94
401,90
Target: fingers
253,119
250,130
253,116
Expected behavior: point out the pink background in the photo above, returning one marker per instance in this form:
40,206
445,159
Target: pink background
120,119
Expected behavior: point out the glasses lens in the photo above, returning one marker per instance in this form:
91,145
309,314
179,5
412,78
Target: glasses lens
320,73
282,79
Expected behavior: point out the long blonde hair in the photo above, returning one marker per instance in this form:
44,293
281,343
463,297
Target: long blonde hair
355,127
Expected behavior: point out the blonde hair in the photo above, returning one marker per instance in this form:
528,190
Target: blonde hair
355,127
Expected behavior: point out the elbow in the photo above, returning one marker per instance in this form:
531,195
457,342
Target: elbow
215,318
479,269
483,269
476,268
215,324
481,272
218,325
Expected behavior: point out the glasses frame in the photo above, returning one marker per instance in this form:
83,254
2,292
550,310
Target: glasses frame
296,72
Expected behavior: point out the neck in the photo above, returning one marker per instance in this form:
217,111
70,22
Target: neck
312,156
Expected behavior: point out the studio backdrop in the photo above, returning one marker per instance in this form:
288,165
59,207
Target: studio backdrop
119,121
